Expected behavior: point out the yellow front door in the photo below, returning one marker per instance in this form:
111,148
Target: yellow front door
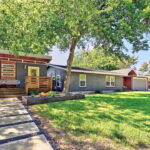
33,72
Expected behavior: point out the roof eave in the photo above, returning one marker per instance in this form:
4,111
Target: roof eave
92,72
28,55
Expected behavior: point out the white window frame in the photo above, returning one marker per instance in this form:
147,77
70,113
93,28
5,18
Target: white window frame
81,80
110,81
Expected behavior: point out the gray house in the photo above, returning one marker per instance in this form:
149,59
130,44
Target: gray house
90,79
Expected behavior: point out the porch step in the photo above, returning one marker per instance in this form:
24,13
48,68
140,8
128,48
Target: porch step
11,92
11,96
11,89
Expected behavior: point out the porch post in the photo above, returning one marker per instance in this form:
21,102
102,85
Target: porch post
26,85
50,83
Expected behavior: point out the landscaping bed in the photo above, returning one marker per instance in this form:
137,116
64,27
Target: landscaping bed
29,100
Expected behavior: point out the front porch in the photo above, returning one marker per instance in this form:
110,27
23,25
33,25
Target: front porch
35,83
32,84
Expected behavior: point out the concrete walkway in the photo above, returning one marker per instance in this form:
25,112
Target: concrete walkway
18,130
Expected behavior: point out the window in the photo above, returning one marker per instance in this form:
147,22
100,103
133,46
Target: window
8,65
33,72
8,70
110,81
8,74
58,78
82,82
53,77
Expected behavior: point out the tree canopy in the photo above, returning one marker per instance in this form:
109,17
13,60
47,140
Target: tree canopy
145,68
98,59
31,26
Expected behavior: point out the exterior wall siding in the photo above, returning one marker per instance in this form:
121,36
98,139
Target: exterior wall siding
93,81
22,71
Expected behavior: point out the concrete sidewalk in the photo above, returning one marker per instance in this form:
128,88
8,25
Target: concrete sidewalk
18,130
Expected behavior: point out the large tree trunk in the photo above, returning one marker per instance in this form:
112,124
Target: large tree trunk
69,65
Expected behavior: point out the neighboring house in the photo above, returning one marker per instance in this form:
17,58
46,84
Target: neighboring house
90,79
14,69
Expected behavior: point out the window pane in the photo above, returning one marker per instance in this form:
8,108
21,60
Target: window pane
82,83
107,83
112,79
58,80
58,77
33,72
8,66
82,77
107,78
112,83
8,70
8,75
58,83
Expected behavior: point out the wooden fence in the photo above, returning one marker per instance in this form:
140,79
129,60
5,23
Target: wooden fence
34,83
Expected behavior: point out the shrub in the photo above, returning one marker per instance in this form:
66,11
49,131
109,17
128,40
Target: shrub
32,94
37,92
98,91
118,90
121,90
125,90
52,94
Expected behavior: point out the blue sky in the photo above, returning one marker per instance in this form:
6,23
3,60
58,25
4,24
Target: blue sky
61,57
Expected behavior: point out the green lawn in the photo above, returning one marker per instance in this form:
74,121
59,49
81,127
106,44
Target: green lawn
111,121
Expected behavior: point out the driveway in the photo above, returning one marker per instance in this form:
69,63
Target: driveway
18,131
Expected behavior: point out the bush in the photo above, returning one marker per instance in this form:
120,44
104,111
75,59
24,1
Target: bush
52,94
125,90
98,91
32,94
118,90
121,90
37,92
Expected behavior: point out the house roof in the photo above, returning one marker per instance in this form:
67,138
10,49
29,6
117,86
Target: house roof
124,71
121,72
27,55
85,70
